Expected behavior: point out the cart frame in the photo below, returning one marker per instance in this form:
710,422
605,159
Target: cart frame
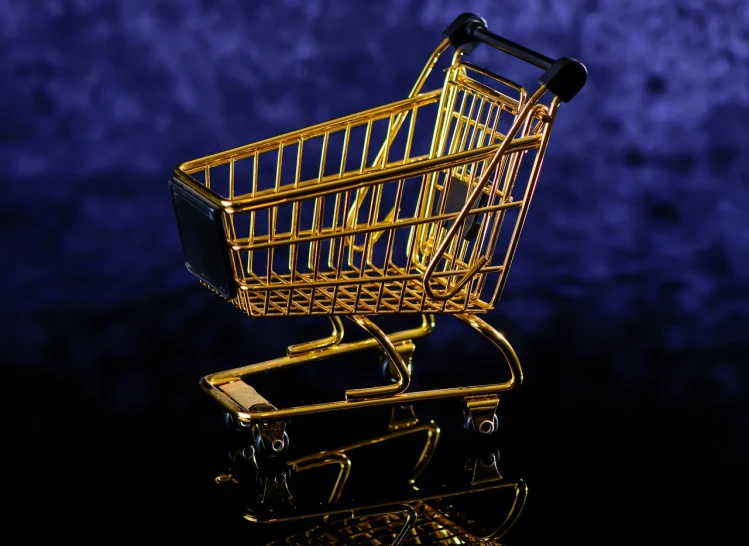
449,253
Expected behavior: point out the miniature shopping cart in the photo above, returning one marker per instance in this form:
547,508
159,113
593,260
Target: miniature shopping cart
400,209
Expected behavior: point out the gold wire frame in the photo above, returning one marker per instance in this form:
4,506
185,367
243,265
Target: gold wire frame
383,230
399,209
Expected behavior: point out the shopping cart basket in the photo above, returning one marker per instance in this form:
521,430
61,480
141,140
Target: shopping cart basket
400,211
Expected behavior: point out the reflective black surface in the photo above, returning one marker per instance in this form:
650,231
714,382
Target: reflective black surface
593,477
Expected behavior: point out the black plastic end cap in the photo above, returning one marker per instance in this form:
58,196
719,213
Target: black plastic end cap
460,32
565,78
204,245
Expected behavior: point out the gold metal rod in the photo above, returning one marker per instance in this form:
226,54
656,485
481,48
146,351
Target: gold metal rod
535,171
458,222
231,179
408,523
518,503
333,458
425,328
270,144
209,383
331,341
430,446
332,184
355,182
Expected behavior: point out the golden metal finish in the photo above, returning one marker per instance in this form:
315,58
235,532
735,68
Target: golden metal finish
425,515
393,210
380,234
223,386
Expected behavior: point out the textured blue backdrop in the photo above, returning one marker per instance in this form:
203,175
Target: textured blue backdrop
630,290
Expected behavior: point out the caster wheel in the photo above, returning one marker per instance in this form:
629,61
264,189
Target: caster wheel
245,454
485,428
490,460
234,424
277,448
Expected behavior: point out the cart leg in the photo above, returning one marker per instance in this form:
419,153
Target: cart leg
481,410
331,341
499,341
400,368
406,350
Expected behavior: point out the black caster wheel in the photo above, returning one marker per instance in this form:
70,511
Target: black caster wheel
235,424
485,428
276,449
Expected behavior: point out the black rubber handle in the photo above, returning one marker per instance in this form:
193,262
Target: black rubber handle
564,77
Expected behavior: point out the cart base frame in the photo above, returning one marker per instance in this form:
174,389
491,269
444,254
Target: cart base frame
250,410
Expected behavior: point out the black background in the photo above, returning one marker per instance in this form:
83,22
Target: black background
627,301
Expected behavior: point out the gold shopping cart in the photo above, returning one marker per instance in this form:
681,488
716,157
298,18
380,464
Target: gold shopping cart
394,210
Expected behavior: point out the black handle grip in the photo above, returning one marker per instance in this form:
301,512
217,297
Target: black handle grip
564,77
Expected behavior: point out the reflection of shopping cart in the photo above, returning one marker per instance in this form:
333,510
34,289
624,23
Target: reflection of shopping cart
355,493
400,211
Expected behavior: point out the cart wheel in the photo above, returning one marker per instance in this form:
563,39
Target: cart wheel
235,424
276,449
485,427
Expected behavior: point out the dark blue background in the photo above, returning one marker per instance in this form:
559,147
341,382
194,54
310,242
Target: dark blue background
629,296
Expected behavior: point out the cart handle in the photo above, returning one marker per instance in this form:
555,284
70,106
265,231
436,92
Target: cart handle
564,77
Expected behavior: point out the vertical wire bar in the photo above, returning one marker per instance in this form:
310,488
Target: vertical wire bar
255,171
365,147
464,245
279,165
344,152
480,240
231,178
374,218
388,141
410,136
412,242
298,169
295,223
454,143
476,130
363,269
316,213
314,256
253,214
398,200
529,189
458,116
337,201
352,216
334,229
207,177
391,240
498,223
466,129
341,248
429,185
